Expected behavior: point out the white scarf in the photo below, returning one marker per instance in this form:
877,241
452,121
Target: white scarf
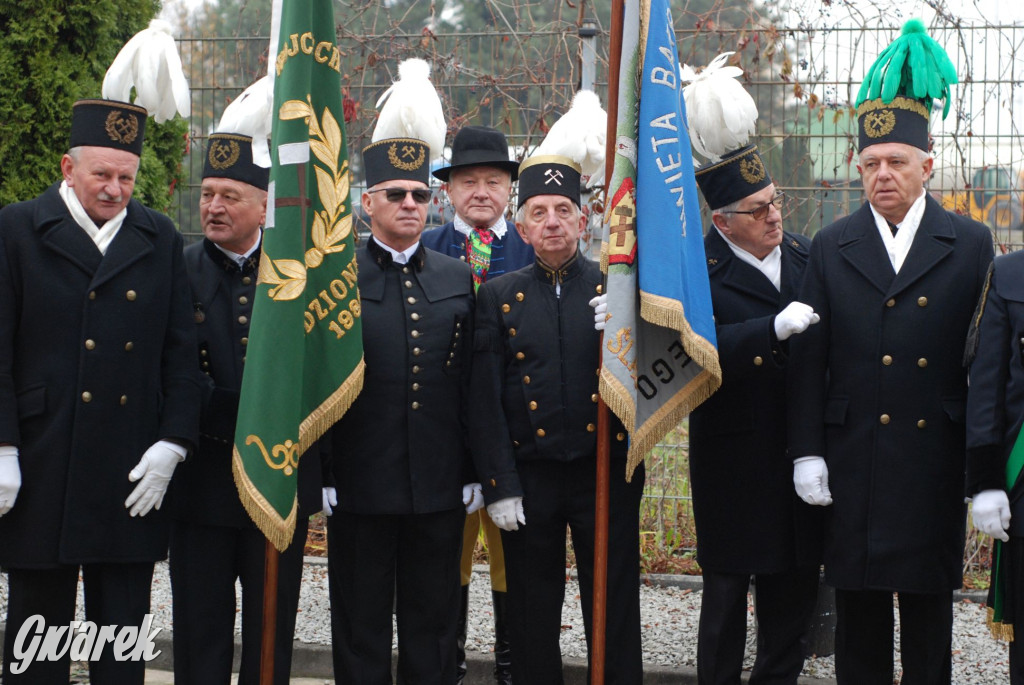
770,266
103,235
898,246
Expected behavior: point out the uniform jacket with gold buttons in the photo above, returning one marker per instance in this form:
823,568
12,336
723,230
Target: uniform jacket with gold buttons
535,368
97,362
879,389
401,447
222,301
748,516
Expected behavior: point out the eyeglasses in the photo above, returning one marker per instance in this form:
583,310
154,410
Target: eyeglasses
420,196
761,211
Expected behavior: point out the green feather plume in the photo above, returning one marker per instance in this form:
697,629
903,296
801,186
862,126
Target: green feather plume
913,65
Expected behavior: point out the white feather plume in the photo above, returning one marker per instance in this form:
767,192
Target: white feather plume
412,108
580,134
250,114
150,62
719,109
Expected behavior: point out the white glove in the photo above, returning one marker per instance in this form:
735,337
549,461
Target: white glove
810,476
472,497
155,469
330,498
795,318
601,315
506,512
10,477
991,513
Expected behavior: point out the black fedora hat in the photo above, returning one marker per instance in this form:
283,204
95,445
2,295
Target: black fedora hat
479,146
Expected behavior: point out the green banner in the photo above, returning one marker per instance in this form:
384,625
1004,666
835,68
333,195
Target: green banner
304,362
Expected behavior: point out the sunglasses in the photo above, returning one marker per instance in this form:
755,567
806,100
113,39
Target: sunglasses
761,211
420,196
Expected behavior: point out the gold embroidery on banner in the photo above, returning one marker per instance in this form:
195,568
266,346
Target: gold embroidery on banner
752,170
407,152
288,453
223,155
122,128
879,123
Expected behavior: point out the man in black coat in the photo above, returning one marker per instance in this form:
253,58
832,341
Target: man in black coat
213,540
878,398
533,428
995,414
400,460
479,183
749,520
98,389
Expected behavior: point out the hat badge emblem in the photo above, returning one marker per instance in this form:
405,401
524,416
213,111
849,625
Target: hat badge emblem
223,154
879,123
122,128
752,170
409,152
553,176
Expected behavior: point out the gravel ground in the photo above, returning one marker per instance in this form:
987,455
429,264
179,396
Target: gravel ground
669,616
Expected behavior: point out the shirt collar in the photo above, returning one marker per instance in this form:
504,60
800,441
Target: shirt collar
384,255
499,228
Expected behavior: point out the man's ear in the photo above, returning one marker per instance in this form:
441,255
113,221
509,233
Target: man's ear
720,222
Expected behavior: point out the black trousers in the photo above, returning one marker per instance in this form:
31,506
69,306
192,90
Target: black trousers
370,557
783,603
115,595
864,637
556,495
205,562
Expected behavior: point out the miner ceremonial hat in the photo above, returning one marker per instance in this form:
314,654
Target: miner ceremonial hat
148,63
238,149
894,103
549,175
229,155
410,129
479,146
722,118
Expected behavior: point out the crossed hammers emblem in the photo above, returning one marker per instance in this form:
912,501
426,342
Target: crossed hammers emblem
554,175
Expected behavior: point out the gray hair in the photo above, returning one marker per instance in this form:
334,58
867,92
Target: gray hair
521,212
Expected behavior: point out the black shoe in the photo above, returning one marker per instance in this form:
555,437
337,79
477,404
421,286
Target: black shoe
460,638
502,650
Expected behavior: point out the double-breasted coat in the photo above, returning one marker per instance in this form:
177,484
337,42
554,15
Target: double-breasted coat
748,516
97,362
401,448
879,389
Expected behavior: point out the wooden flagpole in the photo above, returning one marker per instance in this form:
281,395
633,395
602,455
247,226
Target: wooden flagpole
269,614
600,603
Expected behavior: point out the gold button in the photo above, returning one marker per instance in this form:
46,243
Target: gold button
416,351
462,257
451,355
243,300
415,405
130,295
533,405
244,341
526,380
408,284
405,269
512,332
92,294
887,360
414,333
414,316
890,302
87,396
599,289
541,433
519,297
515,443
415,369
505,309
129,346
593,398
415,386
458,325
591,428
246,280
884,419
758,361
922,362
457,335
620,436
243,320
90,344
124,400
494,483
411,300
922,424
520,356
202,353
922,302
206,365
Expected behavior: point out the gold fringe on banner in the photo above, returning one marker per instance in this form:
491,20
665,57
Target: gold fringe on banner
1000,631
332,409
